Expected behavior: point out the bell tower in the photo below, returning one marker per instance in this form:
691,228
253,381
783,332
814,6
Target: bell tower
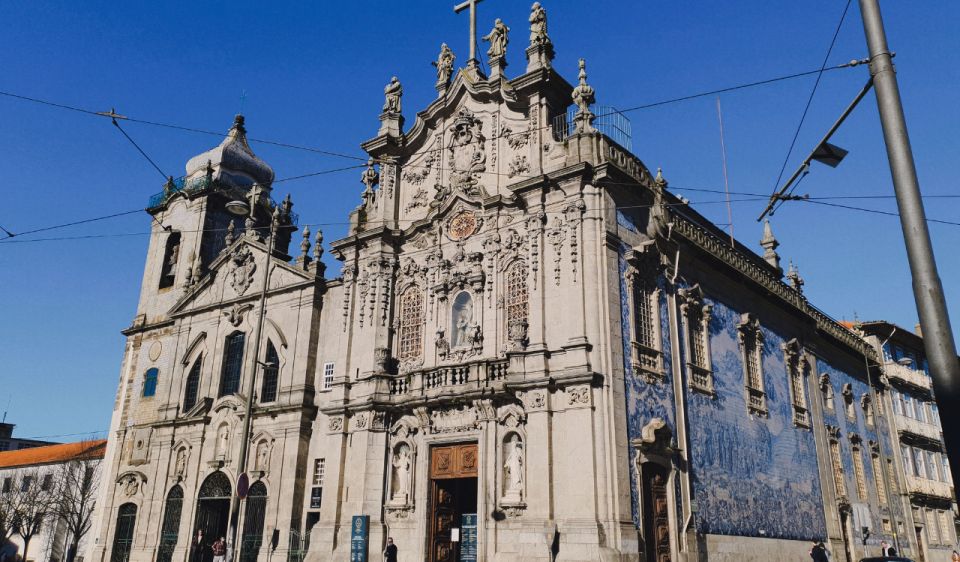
225,194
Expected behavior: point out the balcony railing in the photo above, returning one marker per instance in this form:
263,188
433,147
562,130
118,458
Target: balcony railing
608,120
470,376
932,488
914,377
919,428
196,185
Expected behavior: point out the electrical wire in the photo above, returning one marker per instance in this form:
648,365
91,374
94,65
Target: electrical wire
813,92
874,211
140,150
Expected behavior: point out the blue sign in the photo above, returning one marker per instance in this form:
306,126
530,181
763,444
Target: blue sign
359,537
468,537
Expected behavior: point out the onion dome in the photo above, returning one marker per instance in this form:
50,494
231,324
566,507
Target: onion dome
232,162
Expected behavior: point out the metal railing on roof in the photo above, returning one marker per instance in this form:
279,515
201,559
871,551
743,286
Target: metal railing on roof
197,185
609,121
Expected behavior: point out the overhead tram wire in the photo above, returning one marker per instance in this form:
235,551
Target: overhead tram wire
813,92
765,82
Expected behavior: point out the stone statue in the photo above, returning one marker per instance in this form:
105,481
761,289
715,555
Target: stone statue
223,441
462,320
401,470
369,177
444,64
393,92
263,452
498,40
180,468
513,467
131,486
538,25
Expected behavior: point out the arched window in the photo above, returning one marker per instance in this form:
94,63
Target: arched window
192,386
271,374
232,364
171,524
517,303
150,382
123,536
253,522
411,324
212,512
171,254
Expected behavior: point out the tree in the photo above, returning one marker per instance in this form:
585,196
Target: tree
31,500
74,493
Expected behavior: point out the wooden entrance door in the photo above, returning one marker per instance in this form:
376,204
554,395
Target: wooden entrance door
453,492
656,517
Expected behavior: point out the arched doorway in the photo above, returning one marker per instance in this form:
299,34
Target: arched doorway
213,512
656,517
123,536
253,522
171,524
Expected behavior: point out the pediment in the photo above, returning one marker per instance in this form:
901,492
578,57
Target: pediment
236,276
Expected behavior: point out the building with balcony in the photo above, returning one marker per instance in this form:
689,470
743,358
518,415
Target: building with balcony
927,492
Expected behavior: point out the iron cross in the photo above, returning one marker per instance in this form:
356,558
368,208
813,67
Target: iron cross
472,4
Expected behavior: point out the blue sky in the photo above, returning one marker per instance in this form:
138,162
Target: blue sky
313,75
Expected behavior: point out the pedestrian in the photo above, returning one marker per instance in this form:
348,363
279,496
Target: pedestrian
819,552
390,553
219,549
197,554
955,557
886,549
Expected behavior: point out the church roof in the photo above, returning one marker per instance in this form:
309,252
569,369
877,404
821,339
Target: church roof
233,162
53,453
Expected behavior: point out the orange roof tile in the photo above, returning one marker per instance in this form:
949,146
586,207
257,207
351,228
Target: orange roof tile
53,453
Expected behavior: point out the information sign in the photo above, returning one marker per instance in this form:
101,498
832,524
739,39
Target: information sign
468,537
359,537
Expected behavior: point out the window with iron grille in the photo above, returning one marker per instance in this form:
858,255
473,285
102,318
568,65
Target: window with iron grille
751,347
25,483
696,318
858,473
47,482
271,375
328,371
232,364
837,463
932,535
517,294
192,386
411,324
796,368
645,346
150,382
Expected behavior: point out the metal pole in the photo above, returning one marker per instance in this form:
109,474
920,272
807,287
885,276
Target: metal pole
927,290
248,411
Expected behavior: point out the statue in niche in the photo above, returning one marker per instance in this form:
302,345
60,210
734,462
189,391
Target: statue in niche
402,460
180,466
223,441
263,456
513,468
498,40
462,320
444,64
392,92
538,25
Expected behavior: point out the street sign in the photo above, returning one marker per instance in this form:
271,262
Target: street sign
243,485
359,537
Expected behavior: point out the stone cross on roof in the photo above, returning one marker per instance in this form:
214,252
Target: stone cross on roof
472,4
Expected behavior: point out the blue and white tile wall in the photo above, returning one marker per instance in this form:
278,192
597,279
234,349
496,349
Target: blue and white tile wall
751,476
837,416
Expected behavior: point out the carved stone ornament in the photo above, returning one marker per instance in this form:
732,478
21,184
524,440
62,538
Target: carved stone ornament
244,266
235,313
579,395
453,420
535,400
466,156
463,225
130,486
336,424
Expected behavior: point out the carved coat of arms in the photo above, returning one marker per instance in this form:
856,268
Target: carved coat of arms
466,156
244,265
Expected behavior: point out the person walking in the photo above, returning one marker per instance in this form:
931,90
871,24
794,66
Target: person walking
955,557
819,552
390,552
886,549
219,549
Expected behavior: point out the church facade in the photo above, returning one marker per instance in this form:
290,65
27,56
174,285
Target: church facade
533,351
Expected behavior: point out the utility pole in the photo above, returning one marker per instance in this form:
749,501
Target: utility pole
927,290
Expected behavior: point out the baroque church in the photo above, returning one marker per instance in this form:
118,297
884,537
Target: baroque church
533,350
